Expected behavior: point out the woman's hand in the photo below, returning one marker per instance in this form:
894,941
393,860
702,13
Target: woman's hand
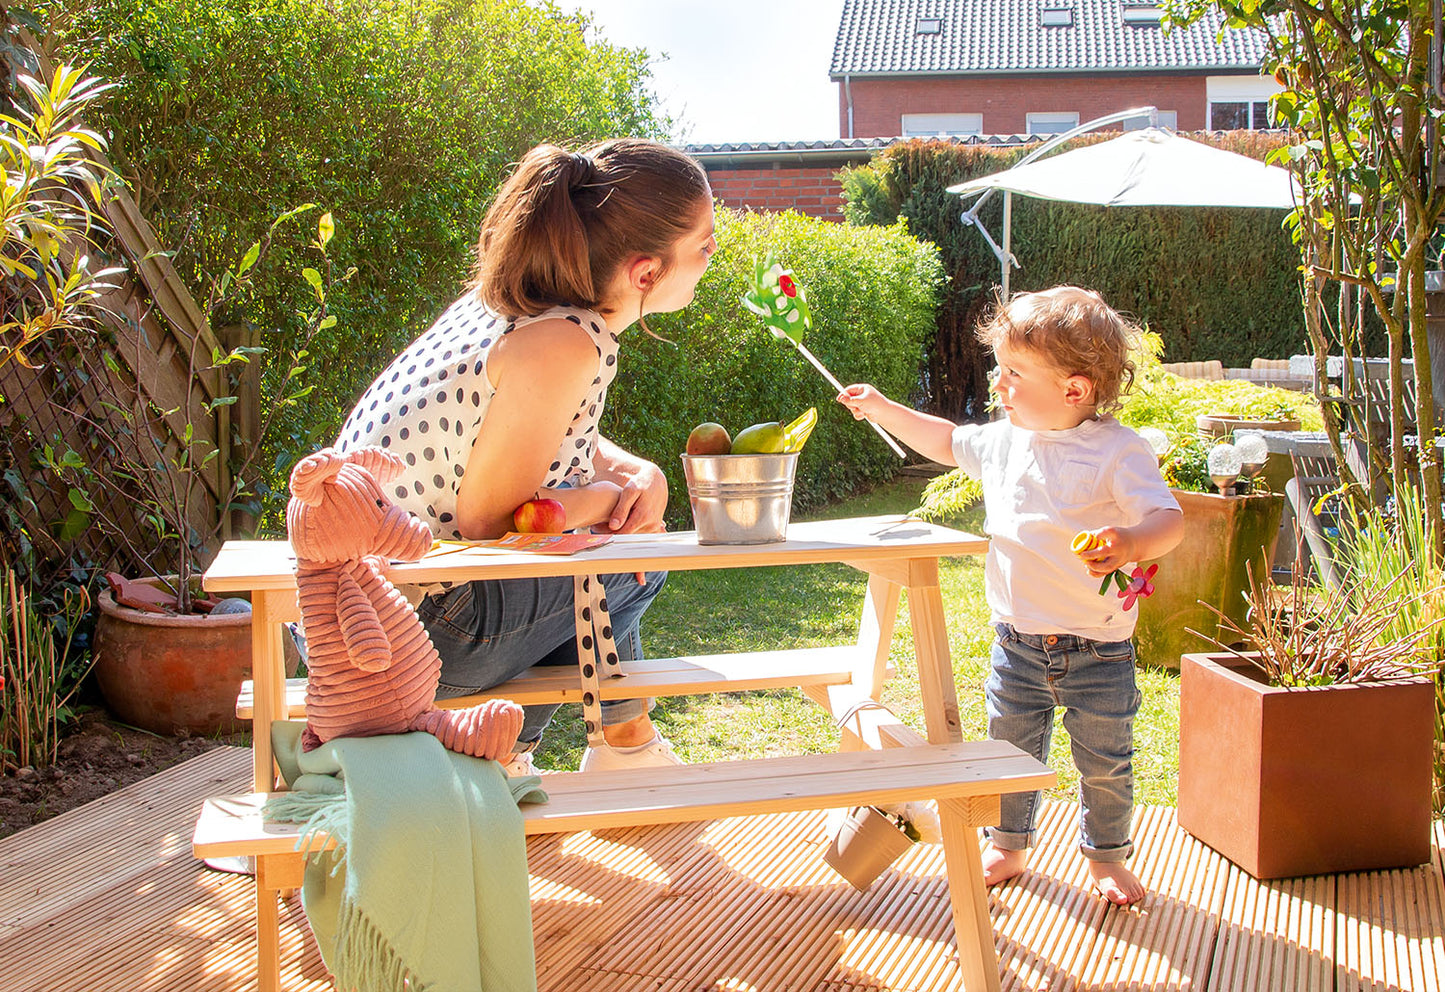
640,505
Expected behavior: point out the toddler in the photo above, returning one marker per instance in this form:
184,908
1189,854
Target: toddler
1055,465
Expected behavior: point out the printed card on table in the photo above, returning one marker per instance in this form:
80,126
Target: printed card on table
549,544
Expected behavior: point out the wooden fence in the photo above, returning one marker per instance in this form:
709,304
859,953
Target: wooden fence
135,401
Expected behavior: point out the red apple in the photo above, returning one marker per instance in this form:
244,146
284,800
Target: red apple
540,516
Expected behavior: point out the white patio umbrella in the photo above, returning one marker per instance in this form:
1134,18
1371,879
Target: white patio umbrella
1149,167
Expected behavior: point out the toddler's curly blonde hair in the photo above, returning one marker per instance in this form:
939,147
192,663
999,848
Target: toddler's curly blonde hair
1074,331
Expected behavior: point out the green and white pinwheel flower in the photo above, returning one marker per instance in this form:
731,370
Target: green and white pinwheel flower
779,299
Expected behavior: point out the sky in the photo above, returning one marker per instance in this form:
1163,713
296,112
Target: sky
733,70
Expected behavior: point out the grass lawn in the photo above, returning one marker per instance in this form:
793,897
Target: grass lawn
762,608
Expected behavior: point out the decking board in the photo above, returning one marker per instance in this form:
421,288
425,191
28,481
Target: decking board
107,897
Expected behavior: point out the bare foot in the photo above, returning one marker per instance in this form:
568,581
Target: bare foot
1000,865
1116,883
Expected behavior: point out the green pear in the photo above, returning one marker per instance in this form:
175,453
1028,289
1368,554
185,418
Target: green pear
760,439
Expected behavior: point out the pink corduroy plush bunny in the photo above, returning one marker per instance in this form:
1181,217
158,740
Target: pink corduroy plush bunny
371,668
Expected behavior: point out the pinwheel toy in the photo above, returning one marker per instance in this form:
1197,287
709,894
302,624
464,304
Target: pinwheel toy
780,300
1133,587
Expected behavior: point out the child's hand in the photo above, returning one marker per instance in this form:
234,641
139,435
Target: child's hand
1112,548
863,401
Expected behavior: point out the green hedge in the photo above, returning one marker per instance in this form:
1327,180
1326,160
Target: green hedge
872,291
399,118
1213,282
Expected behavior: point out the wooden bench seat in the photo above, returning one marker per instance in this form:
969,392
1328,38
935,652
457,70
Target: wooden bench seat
649,677
967,778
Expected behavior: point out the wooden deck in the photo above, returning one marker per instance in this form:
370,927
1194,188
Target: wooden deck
108,897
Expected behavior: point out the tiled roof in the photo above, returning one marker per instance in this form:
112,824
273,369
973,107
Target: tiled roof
883,37
841,149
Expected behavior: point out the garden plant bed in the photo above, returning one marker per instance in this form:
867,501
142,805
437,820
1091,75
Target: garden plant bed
98,757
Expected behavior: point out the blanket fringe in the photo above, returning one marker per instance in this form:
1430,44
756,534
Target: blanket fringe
364,961
317,813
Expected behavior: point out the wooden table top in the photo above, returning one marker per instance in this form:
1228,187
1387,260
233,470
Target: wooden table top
265,565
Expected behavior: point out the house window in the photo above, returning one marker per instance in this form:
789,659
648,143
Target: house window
1239,115
928,25
1239,102
1056,17
1052,122
1167,118
941,125
1142,14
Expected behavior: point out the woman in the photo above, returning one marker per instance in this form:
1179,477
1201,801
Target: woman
498,403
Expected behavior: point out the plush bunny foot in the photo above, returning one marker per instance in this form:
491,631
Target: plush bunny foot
486,731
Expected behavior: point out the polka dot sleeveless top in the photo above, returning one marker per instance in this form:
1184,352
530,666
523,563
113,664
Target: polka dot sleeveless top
429,404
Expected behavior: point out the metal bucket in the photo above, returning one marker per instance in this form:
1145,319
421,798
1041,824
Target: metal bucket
740,499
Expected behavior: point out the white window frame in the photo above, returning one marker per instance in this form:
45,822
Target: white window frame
1238,89
1058,121
1056,17
959,125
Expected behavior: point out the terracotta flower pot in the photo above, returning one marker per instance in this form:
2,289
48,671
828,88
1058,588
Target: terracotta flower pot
171,673
1287,782
1222,425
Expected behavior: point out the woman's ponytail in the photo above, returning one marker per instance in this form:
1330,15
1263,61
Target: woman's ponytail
564,222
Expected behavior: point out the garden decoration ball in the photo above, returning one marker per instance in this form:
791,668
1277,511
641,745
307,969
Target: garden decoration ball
1224,465
1133,587
1253,452
1157,440
540,516
371,668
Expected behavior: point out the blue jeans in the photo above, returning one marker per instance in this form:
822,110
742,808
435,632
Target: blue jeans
490,631
1094,682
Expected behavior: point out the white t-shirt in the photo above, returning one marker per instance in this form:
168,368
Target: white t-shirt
1040,488
429,403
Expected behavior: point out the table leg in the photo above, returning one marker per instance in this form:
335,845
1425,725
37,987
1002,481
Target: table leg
875,634
930,645
268,675
972,928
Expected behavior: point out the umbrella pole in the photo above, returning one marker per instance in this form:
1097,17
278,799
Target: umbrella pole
1008,230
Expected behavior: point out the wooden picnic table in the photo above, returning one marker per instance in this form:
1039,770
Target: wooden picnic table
899,554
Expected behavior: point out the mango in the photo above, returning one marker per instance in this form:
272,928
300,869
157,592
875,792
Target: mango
709,439
760,439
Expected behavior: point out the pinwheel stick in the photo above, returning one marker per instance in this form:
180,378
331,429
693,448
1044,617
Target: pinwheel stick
803,349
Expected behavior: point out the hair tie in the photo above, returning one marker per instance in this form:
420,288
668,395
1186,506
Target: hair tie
582,170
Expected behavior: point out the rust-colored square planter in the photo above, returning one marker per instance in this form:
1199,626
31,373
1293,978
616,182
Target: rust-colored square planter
1287,782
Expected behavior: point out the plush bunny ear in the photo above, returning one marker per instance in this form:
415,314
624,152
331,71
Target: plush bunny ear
314,471
382,464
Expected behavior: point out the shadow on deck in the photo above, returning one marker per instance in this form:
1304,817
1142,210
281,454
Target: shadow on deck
108,897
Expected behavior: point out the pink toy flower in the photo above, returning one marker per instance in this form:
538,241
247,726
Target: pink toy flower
786,284
1141,586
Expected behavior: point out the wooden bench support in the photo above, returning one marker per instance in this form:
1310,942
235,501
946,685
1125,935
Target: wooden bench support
967,779
649,677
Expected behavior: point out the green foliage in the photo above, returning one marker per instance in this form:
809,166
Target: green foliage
49,206
947,497
1174,403
1216,283
38,675
400,118
872,294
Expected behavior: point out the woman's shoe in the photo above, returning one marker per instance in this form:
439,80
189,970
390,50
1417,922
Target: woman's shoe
656,753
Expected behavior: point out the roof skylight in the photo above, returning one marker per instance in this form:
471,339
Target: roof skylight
928,25
1056,16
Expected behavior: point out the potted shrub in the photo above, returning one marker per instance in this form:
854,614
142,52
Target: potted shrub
1226,536
106,455
1310,750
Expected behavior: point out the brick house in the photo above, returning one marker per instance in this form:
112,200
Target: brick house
919,68
792,175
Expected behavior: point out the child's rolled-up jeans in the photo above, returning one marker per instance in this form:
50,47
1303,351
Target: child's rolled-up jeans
1094,682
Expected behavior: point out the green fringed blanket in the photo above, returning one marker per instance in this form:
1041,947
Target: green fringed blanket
429,884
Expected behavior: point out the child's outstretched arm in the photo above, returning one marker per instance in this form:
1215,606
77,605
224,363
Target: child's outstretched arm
1153,537
930,436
